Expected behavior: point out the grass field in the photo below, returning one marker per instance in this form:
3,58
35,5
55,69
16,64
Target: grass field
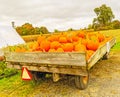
13,86
116,34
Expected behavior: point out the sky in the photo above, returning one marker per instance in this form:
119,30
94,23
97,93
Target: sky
54,14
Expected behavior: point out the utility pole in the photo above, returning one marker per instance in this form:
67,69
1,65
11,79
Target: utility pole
13,24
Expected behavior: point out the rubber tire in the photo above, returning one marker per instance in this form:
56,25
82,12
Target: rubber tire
80,83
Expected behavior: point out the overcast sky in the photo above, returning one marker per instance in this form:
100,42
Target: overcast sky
54,14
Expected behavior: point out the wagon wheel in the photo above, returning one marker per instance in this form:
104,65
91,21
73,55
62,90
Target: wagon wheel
106,56
38,75
81,82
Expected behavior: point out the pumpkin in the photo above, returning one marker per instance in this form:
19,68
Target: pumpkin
20,49
89,53
40,39
94,38
45,45
53,38
63,39
84,42
101,37
55,45
35,46
81,34
69,39
91,45
52,50
68,47
80,47
60,50
75,38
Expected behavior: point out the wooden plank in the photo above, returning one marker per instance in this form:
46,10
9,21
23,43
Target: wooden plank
10,65
100,53
59,70
77,59
56,77
112,42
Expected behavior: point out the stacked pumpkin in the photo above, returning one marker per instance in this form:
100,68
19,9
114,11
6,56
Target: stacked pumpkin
74,41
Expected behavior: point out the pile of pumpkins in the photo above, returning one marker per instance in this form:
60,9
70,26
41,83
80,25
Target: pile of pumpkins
74,41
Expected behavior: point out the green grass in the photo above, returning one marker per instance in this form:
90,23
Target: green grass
4,71
14,85
116,47
114,33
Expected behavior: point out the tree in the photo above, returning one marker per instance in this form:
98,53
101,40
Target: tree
56,31
115,24
37,30
28,29
44,30
70,29
104,16
25,29
89,26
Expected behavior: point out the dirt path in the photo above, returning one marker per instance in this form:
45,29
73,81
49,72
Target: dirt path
104,82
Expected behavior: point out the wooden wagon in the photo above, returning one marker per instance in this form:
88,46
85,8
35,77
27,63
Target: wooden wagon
59,63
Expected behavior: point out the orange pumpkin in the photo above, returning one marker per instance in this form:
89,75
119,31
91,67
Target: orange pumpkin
45,45
89,53
101,37
80,47
52,50
69,39
40,39
53,38
75,38
63,39
35,46
60,50
91,45
68,47
96,45
81,34
55,45
94,38
20,49
84,42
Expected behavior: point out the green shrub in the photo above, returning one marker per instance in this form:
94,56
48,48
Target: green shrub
2,67
4,71
28,29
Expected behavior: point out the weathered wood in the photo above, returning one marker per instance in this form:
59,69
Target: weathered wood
112,42
77,59
60,70
56,77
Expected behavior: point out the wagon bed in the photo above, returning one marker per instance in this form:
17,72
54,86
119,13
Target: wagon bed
71,63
